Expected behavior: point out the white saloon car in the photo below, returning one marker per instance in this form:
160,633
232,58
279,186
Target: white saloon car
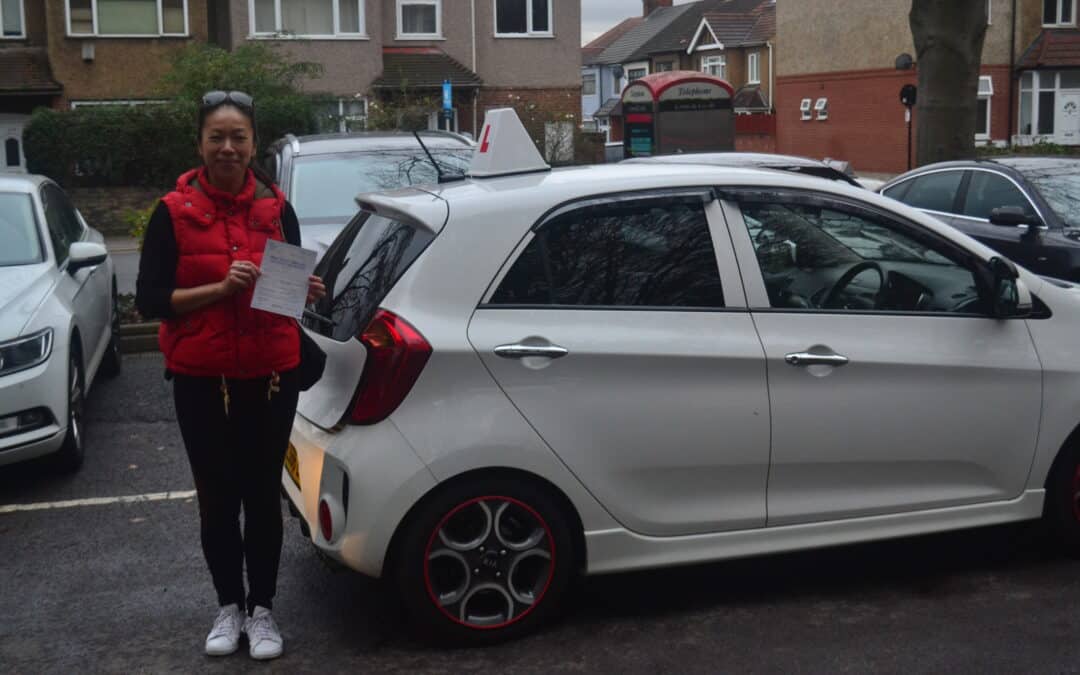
58,321
546,373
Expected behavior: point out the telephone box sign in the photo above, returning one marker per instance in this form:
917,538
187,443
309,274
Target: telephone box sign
679,111
695,96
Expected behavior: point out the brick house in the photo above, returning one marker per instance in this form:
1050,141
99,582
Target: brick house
63,53
837,85
522,53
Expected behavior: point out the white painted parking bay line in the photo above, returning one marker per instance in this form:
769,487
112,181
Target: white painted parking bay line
98,501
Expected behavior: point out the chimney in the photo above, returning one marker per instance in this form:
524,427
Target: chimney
649,5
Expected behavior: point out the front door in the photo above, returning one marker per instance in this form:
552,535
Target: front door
891,388
621,334
1068,118
11,146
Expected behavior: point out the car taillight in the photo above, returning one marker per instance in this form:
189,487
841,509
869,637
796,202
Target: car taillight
396,355
326,521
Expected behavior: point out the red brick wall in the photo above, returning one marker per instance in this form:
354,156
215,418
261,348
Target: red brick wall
866,119
755,133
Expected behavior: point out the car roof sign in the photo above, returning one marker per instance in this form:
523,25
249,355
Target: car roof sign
505,147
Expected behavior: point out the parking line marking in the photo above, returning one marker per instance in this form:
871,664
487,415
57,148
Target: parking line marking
98,501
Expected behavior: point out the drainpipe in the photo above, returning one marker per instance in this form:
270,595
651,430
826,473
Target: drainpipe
772,79
1012,75
476,92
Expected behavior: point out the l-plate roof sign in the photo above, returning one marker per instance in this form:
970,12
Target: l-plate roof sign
505,147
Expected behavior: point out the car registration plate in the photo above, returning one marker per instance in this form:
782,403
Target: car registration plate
292,464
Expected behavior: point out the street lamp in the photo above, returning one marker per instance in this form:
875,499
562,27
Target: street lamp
908,94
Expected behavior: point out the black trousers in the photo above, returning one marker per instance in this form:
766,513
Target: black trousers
236,459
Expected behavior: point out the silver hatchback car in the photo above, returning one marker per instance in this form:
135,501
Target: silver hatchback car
535,374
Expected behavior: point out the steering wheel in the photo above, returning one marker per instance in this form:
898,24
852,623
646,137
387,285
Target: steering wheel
847,277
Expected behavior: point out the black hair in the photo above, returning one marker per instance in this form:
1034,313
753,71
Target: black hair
256,168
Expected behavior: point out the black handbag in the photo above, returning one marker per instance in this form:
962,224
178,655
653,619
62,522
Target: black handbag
312,361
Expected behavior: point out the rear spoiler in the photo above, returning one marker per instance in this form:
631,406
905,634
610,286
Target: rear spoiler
409,204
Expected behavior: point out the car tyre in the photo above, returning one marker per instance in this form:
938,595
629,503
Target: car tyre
110,364
70,456
484,561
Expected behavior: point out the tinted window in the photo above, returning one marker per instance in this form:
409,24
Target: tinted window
988,191
324,187
935,191
19,242
1059,185
360,268
58,218
813,257
647,253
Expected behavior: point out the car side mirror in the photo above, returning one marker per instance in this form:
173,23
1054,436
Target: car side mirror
84,254
1013,216
1011,297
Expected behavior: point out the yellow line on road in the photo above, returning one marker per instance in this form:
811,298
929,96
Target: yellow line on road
98,501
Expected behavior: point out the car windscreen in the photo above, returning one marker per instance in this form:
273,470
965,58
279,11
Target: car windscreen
19,240
1060,187
324,187
360,268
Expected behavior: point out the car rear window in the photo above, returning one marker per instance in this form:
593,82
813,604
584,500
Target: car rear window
19,240
360,268
324,187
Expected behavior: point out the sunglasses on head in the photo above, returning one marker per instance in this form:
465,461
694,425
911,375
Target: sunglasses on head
212,99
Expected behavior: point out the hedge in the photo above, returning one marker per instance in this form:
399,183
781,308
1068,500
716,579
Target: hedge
144,145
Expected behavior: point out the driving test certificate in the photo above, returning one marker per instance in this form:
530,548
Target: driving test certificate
282,287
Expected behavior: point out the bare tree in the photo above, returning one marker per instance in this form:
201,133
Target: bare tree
949,38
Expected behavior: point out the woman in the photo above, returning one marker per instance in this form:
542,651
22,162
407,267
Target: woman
233,368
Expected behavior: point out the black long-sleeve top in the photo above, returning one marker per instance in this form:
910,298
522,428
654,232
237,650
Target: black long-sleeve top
157,263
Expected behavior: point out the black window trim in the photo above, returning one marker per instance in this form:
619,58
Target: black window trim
803,197
706,193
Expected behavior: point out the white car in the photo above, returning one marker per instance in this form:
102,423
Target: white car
534,374
58,321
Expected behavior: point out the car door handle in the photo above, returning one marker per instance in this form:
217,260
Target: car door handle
808,359
520,351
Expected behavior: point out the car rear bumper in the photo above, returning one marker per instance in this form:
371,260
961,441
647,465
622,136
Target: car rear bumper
368,475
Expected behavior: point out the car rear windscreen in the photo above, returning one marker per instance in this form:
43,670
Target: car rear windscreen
324,187
360,268
19,241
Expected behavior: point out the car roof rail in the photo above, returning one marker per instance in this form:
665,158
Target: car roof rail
294,143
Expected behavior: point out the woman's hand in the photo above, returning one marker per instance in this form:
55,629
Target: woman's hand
242,276
316,289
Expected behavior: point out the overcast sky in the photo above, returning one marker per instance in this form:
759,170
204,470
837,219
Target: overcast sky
599,15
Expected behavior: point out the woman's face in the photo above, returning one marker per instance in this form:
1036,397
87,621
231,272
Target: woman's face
227,144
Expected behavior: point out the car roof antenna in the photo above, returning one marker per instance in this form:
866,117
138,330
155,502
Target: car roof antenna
443,178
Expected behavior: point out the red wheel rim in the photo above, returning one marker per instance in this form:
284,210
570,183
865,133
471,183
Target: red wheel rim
489,562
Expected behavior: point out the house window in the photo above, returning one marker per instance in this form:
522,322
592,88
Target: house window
1026,104
753,69
1059,12
1038,103
664,66
715,65
636,74
982,119
11,19
126,18
523,17
341,115
12,154
306,18
419,18
588,84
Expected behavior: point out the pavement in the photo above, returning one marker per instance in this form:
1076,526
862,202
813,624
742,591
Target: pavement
120,586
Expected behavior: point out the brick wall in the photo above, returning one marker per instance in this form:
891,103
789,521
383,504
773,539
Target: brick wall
103,208
866,120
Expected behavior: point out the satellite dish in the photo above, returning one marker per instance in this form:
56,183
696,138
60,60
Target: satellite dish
904,62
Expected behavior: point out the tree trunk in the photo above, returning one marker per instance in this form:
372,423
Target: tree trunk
948,44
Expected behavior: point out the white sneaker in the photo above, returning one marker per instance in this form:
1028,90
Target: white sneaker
224,637
263,635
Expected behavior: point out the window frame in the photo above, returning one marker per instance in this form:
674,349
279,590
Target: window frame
754,284
727,270
589,77
1059,4
22,23
753,68
710,59
529,32
279,34
400,11
986,133
96,30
